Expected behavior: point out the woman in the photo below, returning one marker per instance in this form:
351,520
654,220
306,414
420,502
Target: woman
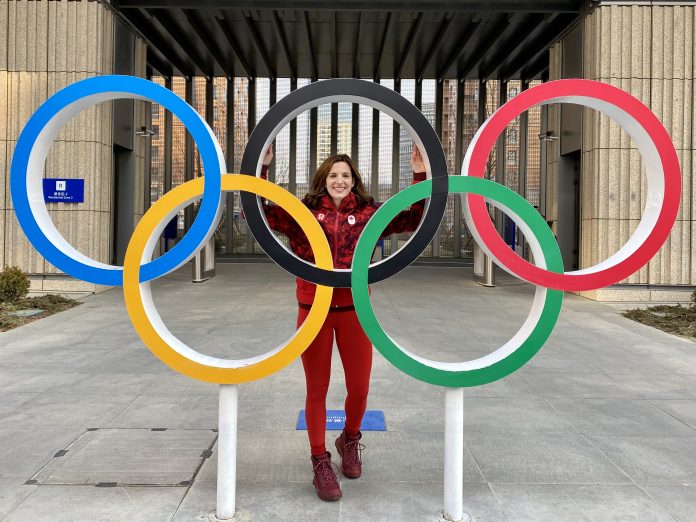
339,201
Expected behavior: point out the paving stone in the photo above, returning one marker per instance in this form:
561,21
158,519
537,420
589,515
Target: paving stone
516,385
129,457
678,500
478,501
70,503
651,459
618,416
616,502
683,410
34,381
67,410
385,457
549,458
12,492
168,411
117,383
569,384
512,415
524,456
537,503
12,401
24,450
397,501
643,385
290,501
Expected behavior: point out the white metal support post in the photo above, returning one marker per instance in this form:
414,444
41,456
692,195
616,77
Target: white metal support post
227,452
454,455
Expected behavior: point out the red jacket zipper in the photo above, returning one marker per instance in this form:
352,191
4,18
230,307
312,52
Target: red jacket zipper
335,233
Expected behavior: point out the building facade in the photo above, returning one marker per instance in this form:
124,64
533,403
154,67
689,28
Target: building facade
584,175
648,51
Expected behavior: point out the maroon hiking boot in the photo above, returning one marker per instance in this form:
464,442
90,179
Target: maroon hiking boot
350,450
325,481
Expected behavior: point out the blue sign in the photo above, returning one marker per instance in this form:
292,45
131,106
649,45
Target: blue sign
373,420
64,190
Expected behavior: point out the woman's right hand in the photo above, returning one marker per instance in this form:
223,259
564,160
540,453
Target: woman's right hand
269,156
417,162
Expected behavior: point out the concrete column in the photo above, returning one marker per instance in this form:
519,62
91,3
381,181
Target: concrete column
500,158
374,178
522,165
272,94
334,128
439,93
313,115
395,164
188,155
168,143
251,123
458,159
484,271
229,158
292,164
354,136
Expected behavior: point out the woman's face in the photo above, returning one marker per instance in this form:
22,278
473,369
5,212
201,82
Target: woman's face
339,182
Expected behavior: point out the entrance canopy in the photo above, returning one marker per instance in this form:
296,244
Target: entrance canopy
375,39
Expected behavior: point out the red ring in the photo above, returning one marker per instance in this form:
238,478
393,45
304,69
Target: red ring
643,116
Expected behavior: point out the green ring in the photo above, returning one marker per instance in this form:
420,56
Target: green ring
498,195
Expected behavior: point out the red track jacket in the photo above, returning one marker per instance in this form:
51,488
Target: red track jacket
342,227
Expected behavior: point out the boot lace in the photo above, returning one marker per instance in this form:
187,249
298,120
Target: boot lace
326,471
353,452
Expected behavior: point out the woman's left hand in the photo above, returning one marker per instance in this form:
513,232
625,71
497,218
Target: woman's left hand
417,162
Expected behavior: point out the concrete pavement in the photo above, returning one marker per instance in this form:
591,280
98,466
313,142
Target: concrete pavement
600,425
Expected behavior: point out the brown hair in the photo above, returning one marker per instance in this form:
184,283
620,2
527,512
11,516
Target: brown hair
318,187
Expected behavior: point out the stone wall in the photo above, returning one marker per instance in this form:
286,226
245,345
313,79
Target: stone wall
648,51
45,46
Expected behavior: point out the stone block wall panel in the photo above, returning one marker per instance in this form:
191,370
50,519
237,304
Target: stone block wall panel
85,230
4,104
692,274
691,192
4,167
648,51
4,43
3,176
672,42
45,46
19,252
4,160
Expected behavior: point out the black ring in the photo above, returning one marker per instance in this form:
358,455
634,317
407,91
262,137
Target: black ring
356,91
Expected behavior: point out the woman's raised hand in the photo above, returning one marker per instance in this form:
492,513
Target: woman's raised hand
417,162
269,156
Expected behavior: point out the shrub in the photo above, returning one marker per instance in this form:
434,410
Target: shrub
14,284
693,297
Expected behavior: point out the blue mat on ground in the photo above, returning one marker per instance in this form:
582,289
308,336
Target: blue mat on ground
373,420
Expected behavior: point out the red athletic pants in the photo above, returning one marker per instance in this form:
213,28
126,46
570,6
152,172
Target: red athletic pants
355,350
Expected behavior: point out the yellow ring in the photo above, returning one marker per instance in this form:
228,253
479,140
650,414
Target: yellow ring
139,299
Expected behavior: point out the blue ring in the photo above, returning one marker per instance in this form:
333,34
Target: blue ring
202,136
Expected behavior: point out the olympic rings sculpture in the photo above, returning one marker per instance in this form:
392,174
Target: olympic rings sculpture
651,138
